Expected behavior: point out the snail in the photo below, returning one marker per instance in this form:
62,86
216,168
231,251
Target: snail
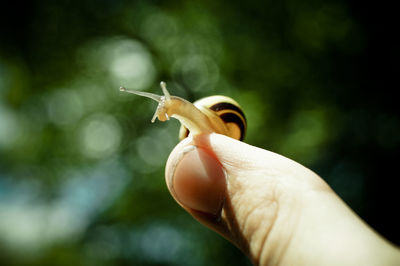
219,114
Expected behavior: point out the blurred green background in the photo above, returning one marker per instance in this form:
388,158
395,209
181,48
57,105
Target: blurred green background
82,167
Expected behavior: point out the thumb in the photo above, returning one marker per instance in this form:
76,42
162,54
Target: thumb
196,179
234,188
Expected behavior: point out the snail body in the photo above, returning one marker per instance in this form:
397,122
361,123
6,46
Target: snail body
219,114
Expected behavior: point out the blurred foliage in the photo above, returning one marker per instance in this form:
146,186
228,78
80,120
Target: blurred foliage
81,166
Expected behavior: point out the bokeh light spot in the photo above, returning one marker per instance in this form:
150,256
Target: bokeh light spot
100,136
132,64
160,29
197,71
64,107
10,128
153,148
119,60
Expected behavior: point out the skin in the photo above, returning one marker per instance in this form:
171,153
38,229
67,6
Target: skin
275,210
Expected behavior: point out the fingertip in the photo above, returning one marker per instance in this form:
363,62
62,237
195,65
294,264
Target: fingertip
195,178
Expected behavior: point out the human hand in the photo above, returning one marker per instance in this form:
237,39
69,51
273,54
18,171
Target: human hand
275,210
